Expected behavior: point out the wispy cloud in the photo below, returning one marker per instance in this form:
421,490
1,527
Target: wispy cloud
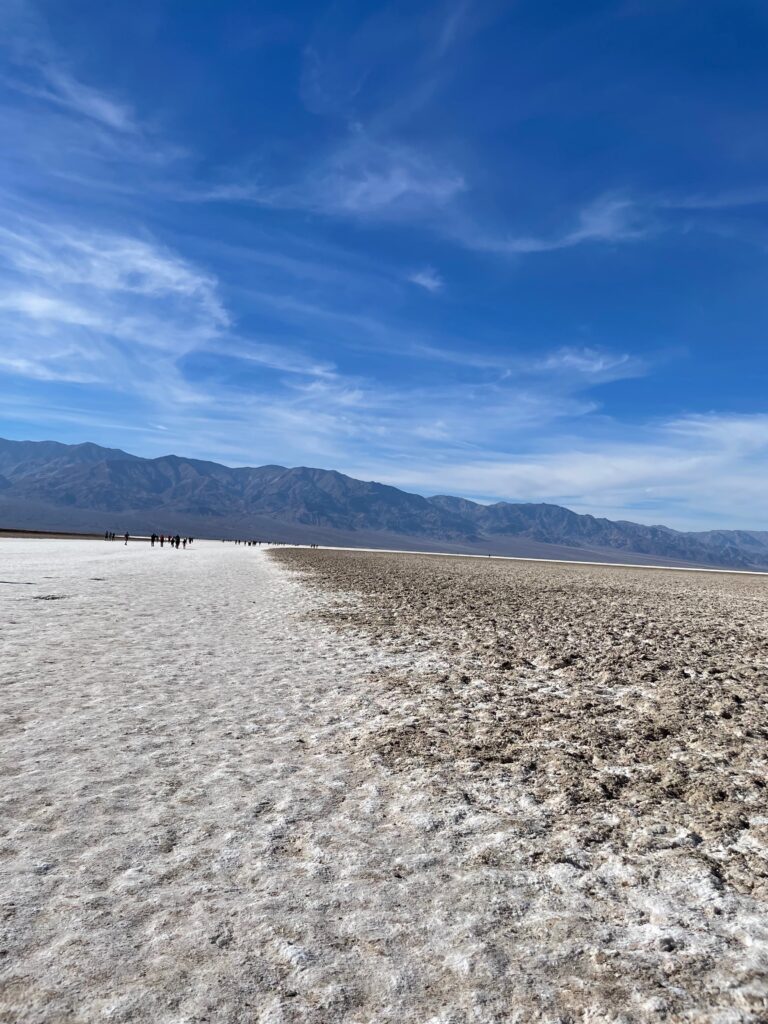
59,123
607,219
374,178
104,308
46,369
106,261
364,178
277,357
98,285
101,306
597,365
745,432
368,84
61,88
48,308
569,368
449,26
35,67
427,278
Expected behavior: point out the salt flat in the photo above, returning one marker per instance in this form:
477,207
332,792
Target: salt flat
227,797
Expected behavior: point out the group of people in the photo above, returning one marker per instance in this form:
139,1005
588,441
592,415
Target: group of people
175,541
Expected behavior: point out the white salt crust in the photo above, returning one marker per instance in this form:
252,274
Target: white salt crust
189,835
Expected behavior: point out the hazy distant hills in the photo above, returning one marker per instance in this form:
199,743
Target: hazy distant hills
47,485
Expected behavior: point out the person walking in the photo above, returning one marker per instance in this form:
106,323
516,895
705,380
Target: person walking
126,538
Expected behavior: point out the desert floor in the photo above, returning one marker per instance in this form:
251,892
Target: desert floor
382,788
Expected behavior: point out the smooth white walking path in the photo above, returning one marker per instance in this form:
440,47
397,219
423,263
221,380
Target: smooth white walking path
172,846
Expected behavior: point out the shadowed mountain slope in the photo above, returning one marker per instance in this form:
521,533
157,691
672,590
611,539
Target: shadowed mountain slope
83,486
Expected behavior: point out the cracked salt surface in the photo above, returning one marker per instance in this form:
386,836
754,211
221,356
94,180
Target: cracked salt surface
194,827
610,725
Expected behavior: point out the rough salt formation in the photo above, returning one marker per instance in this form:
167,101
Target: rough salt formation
590,749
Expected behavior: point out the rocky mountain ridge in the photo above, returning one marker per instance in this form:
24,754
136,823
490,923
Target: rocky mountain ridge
41,480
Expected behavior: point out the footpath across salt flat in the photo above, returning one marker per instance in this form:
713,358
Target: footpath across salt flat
179,840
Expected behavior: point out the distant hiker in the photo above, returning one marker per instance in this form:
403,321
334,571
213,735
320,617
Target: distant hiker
126,538
162,539
152,540
177,539
190,541
106,535
184,543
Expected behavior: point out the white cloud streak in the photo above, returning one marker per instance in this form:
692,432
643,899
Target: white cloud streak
364,178
60,88
98,306
427,278
607,219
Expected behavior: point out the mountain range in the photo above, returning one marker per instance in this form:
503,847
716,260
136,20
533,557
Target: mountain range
46,485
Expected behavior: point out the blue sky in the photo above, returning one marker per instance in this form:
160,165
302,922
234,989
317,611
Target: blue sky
509,250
